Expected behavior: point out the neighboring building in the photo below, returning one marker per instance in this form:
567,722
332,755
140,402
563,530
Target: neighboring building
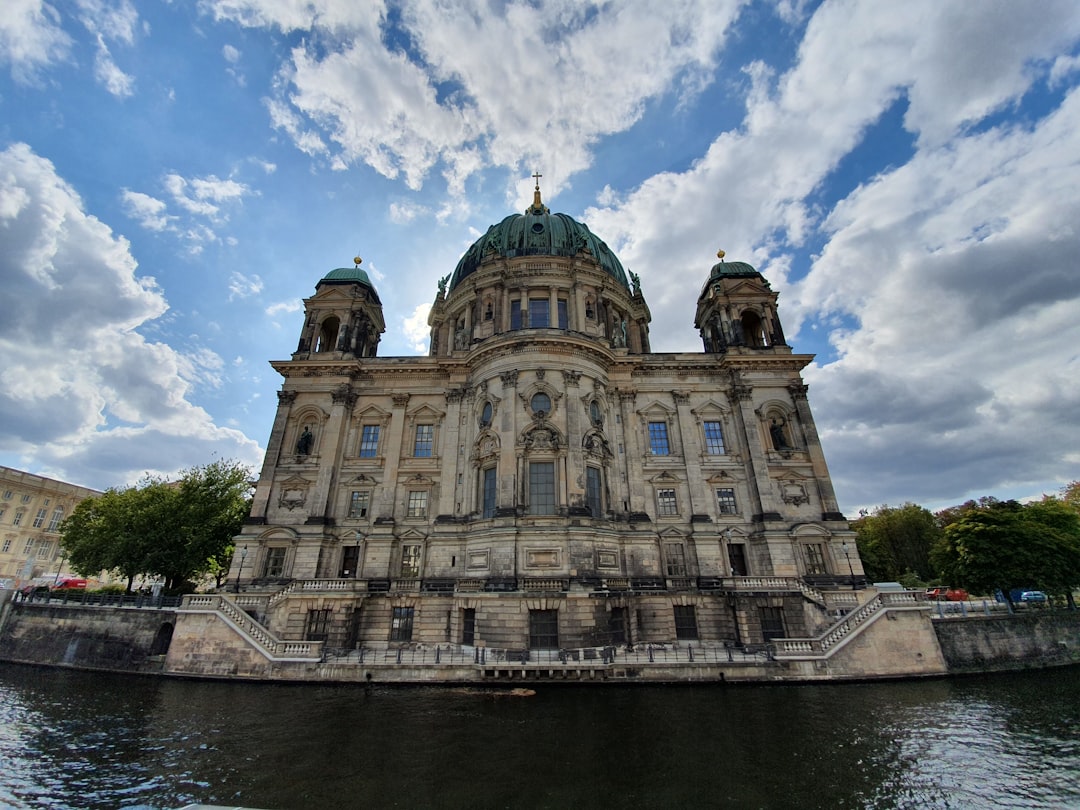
32,508
543,479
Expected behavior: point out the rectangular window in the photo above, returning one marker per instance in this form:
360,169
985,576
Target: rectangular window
675,556
539,313
318,625
7,494
275,562
2,513
593,499
658,439
7,546
54,521
515,314
44,550
425,440
490,485
468,626
358,503
685,622
815,558
666,505
29,547
39,518
772,623
410,562
417,506
543,629
369,441
617,625
737,556
17,520
541,488
401,624
26,499
714,439
725,501
564,320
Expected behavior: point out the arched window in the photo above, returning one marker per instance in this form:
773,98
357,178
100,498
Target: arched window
328,335
594,413
754,330
540,404
485,415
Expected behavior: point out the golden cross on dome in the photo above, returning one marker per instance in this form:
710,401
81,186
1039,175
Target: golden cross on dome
537,176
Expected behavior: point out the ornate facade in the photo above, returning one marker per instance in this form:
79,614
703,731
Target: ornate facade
543,479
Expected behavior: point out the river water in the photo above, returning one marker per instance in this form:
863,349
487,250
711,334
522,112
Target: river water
89,740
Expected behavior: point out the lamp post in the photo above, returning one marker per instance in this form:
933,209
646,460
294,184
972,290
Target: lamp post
851,571
356,562
240,570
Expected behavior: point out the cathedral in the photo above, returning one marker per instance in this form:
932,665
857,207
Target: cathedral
542,480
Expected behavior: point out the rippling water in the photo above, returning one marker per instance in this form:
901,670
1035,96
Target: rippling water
87,740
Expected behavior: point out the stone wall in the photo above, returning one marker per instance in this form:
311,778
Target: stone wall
1034,639
116,639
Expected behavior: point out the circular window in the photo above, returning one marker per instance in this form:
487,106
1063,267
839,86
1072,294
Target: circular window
541,403
537,227
485,416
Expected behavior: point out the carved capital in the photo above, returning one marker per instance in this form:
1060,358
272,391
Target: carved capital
681,397
286,397
509,379
571,378
798,390
400,400
343,395
742,391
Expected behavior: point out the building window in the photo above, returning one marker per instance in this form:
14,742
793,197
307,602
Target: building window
564,320
594,413
29,547
26,499
685,622
39,518
617,625
17,520
540,403
488,496
543,629
666,505
369,441
410,562
2,510
658,439
539,313
737,557
593,497
772,623
7,546
7,494
675,557
275,562
358,503
468,626
425,441
515,314
44,549
541,488
417,506
54,521
401,624
815,558
485,415
318,624
714,439
725,501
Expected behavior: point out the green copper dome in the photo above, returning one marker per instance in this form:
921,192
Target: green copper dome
350,275
732,270
538,232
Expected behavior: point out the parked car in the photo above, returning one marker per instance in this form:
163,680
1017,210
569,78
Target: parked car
1034,597
70,584
943,594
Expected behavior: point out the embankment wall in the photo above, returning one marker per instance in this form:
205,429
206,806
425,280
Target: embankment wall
1033,639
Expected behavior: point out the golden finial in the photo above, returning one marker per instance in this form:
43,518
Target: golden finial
720,255
357,260
538,204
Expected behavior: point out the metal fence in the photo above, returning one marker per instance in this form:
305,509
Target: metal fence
78,597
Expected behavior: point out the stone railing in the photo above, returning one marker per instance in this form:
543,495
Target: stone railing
849,625
544,584
265,641
307,586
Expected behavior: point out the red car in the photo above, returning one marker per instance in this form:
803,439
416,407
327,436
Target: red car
947,594
70,584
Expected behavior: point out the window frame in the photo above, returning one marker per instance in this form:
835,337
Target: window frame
274,562
424,440
713,431
667,502
539,486
725,497
686,627
489,491
369,441
659,441
594,490
416,503
401,622
359,504
675,559
410,561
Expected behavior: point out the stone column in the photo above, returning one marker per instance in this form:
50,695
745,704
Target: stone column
261,498
829,505
394,451
690,445
632,451
331,448
553,307
449,489
509,466
756,464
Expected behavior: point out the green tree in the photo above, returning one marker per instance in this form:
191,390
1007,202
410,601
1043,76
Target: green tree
176,530
895,542
1005,545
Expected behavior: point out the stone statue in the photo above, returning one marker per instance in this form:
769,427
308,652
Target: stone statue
306,440
442,284
776,430
620,335
635,279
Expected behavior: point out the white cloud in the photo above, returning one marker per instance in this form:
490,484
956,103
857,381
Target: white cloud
116,22
416,330
242,286
88,395
231,54
31,37
148,211
295,305
401,213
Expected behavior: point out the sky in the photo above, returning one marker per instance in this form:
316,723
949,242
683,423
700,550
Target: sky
175,177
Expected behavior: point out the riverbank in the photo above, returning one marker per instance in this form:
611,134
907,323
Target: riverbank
890,636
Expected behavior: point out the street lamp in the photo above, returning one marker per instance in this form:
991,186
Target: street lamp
240,570
851,571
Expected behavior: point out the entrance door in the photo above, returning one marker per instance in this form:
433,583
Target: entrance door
350,559
737,554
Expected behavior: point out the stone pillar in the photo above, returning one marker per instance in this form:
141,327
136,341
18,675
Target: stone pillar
393,457
261,498
691,447
829,505
331,448
757,467
553,307
509,463
449,490
632,451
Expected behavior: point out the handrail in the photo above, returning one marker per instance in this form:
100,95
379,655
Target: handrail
823,645
262,639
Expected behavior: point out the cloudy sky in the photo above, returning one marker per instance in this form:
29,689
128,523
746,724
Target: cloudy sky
176,176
